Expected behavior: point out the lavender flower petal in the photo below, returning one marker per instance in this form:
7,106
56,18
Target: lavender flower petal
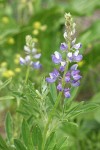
37,65
56,58
77,46
22,61
59,87
63,46
75,83
67,93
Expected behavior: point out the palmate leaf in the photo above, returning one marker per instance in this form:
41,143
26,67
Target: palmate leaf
9,127
82,107
26,134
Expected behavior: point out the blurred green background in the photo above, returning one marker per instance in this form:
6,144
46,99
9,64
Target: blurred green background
44,20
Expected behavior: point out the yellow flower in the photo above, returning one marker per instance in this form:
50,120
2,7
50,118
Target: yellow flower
35,32
17,70
5,20
8,73
35,40
37,25
43,27
11,40
17,56
16,61
81,63
3,64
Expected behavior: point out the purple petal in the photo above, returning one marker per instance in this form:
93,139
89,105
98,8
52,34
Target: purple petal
56,58
62,67
22,61
74,67
78,58
37,56
75,72
77,46
56,73
67,77
75,83
67,93
59,87
50,80
37,65
63,46
77,77
27,59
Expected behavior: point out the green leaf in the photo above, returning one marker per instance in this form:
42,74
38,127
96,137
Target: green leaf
6,98
9,127
26,134
3,145
5,83
37,137
53,91
50,143
19,145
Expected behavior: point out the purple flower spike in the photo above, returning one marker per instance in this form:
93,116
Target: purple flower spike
56,58
78,58
53,76
75,83
59,87
67,77
77,46
22,61
63,46
67,93
37,65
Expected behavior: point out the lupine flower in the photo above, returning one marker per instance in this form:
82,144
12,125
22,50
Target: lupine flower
67,77
31,54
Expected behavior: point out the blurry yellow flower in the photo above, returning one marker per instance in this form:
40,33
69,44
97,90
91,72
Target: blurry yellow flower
17,56
37,25
17,70
16,61
3,64
11,40
8,73
43,27
81,63
5,20
35,32
35,40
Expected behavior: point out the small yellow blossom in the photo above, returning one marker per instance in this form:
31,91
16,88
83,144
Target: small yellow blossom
5,20
17,56
3,64
17,70
35,40
81,63
11,40
35,32
8,73
16,61
43,27
37,25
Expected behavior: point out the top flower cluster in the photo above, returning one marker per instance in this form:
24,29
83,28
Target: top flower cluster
67,77
31,54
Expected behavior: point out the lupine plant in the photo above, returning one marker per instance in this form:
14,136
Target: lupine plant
48,113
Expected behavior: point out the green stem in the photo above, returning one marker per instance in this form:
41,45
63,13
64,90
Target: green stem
27,74
56,104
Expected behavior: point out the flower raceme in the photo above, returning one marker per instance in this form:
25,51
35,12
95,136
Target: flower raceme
66,76
31,54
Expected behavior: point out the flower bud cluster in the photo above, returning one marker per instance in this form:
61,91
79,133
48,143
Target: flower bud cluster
32,56
67,77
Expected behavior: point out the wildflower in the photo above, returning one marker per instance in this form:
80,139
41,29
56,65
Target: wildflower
67,77
11,40
17,70
37,25
43,27
5,20
8,73
35,32
32,57
3,64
